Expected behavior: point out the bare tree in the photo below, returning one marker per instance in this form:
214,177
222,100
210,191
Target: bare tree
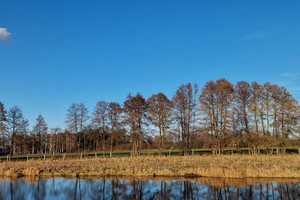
246,115
72,119
184,111
77,116
216,101
114,120
254,105
100,118
83,116
209,107
285,115
3,127
135,108
17,125
40,130
266,100
160,111
242,95
54,143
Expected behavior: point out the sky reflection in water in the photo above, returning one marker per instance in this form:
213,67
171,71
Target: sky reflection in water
203,188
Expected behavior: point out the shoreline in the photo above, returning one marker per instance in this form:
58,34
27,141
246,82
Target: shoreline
214,181
225,166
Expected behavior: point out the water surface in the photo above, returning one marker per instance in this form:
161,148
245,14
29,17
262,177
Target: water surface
114,188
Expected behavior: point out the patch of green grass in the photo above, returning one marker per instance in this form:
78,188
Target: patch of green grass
143,152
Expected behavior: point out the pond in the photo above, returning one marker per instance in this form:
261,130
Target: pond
167,188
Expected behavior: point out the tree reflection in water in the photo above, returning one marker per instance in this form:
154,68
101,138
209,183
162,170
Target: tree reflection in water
78,189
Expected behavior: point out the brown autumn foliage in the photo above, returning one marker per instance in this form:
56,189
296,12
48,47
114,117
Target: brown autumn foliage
135,108
160,111
184,102
223,115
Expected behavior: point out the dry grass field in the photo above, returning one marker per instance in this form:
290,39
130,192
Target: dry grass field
225,166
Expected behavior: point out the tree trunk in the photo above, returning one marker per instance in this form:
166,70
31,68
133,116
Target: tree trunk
111,147
161,140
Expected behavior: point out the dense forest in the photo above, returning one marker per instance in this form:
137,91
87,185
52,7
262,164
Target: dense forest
220,115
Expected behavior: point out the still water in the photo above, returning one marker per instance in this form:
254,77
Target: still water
114,188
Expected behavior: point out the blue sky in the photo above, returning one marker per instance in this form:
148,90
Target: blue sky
55,53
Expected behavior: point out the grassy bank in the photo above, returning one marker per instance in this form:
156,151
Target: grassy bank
174,152
226,166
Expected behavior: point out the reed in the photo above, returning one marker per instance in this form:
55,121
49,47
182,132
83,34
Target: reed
225,166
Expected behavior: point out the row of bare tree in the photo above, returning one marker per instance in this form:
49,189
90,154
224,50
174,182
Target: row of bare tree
222,115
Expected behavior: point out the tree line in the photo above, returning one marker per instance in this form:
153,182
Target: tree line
220,115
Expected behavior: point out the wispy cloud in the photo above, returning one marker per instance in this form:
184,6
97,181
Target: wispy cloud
291,82
255,35
290,78
4,34
292,75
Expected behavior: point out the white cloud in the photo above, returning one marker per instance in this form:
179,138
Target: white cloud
288,74
290,78
256,35
4,34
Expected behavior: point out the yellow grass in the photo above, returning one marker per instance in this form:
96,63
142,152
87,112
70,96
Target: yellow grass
226,166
